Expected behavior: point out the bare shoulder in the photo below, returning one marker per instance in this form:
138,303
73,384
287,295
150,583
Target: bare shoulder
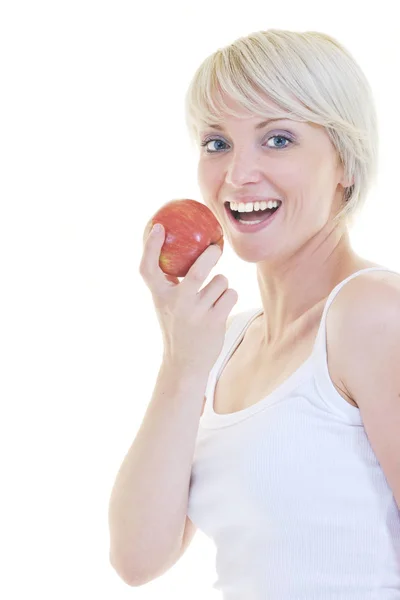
370,351
366,305
360,295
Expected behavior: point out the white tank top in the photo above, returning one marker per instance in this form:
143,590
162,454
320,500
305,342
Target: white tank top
291,492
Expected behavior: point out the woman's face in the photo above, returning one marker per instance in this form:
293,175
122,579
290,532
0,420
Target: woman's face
287,160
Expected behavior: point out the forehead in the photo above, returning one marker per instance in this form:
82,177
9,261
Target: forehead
231,108
229,112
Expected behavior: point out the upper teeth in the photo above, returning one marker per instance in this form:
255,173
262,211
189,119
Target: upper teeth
250,206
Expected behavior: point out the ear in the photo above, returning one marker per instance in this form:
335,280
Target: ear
344,181
344,184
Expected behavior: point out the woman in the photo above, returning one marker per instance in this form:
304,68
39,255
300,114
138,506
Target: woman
293,468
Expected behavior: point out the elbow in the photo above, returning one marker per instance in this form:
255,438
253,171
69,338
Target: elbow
128,575
136,577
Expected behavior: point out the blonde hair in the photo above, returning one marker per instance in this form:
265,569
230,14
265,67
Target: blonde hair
312,78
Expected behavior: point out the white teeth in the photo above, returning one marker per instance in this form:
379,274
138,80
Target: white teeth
250,222
251,206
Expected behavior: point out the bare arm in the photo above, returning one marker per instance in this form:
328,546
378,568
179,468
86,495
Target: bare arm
148,504
149,528
147,510
190,528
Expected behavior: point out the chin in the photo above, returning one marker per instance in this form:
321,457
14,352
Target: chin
254,254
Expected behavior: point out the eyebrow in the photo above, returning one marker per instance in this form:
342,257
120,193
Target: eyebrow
259,126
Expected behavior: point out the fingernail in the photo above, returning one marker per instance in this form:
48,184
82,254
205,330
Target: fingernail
156,228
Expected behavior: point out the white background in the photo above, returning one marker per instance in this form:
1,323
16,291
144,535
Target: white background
93,142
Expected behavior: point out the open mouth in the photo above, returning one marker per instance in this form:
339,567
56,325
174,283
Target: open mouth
254,216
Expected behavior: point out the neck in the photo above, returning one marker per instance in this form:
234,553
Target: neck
293,291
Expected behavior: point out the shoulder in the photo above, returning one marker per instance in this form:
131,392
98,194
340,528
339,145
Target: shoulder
368,315
367,298
365,325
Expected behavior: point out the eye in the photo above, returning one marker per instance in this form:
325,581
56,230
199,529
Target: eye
208,141
279,137
220,141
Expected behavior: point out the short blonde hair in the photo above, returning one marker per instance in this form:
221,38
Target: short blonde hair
312,78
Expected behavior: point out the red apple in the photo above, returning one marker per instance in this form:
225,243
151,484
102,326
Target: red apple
190,227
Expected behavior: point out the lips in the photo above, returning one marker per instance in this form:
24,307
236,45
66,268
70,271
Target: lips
236,214
250,227
247,199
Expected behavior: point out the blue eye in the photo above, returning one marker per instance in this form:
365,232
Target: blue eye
206,142
278,137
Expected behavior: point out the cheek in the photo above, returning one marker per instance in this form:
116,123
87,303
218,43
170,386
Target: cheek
207,176
292,181
200,173
304,177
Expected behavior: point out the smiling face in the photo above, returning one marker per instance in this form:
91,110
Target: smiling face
293,161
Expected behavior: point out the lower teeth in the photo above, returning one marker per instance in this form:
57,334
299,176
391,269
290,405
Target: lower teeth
255,222
251,222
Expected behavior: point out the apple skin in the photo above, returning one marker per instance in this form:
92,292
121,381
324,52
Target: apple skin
190,227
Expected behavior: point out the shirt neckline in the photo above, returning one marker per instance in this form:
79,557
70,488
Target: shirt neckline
212,420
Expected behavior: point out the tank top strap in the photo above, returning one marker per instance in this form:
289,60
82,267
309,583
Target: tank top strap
320,341
240,322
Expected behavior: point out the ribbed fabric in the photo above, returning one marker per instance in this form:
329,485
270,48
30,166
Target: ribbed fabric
291,492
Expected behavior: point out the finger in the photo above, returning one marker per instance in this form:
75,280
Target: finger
150,264
225,303
213,290
201,268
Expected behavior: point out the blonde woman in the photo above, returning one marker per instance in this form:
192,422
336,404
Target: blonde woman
291,465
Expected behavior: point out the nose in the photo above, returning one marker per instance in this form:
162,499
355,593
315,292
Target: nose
243,167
